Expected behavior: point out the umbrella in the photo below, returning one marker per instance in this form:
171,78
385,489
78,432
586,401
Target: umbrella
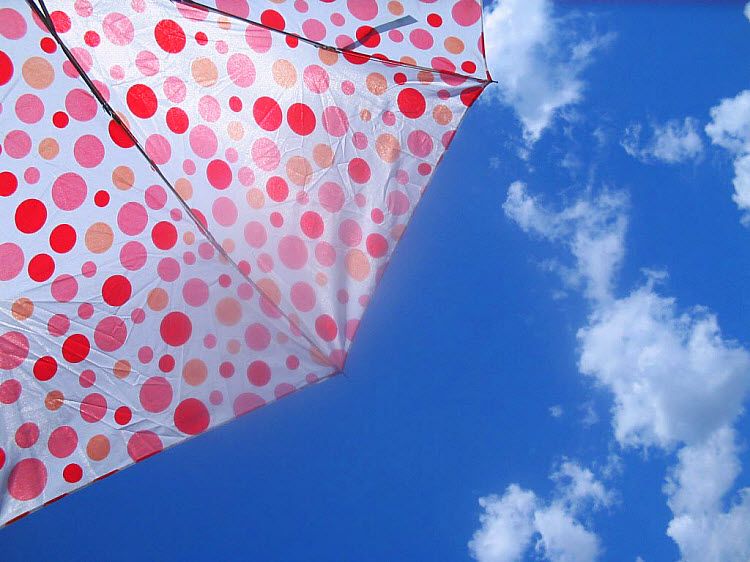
199,201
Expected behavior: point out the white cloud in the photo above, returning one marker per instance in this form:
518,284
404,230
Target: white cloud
536,60
556,411
747,10
677,383
511,523
673,142
730,129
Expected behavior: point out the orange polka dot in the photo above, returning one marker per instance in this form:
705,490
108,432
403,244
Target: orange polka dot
357,265
327,57
157,299
195,372
376,83
54,400
38,73
442,114
270,290
98,448
204,72
454,45
184,188
388,147
49,149
255,198
99,237
22,308
123,178
323,155
284,73
299,170
121,368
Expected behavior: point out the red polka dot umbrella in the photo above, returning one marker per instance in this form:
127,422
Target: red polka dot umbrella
199,200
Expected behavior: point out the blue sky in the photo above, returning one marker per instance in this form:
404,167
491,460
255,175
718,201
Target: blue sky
472,336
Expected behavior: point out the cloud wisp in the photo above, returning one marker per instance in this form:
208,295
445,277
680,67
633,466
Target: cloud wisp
537,62
673,142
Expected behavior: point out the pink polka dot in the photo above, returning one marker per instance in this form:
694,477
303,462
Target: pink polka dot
419,143
209,108
350,233
255,234
314,29
421,39
69,191
241,70
14,348
195,292
325,254
12,24
17,144
175,89
224,211
316,79
168,269
156,394
158,148
62,441
64,288
118,29
132,218
133,256
247,402
467,12
398,203
11,261
335,121
147,63
143,444
93,407
293,252
257,337
29,108
27,479
331,196
203,141
303,296
363,9
110,333
88,151
265,154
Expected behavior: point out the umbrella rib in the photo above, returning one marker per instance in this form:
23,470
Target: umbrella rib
343,50
43,14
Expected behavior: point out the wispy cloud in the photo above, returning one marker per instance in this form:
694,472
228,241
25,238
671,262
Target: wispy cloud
537,60
730,129
513,522
672,142
677,383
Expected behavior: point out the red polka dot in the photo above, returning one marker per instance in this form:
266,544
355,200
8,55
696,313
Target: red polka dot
72,473
219,174
76,348
311,224
411,103
470,95
27,479
326,328
93,407
123,415
48,45
368,36
377,245
60,120
141,101
272,18
301,119
60,21
8,182
259,373
10,391
143,444
116,290
41,267
164,235
201,38
2,457
101,198
267,113
191,416
177,120
119,135
31,216
156,394
92,38
277,189
176,328
45,368
6,68
62,238
170,36
62,441
435,20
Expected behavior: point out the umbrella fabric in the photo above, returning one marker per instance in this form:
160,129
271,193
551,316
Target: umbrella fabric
198,202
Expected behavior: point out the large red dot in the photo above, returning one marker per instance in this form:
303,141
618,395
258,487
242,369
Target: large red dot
170,36
311,224
119,135
219,174
301,119
8,182
41,267
272,18
76,348
176,328
267,113
142,101
72,473
377,245
164,235
27,479
116,290
191,416
31,216
45,368
411,103
177,120
123,415
62,238
6,68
